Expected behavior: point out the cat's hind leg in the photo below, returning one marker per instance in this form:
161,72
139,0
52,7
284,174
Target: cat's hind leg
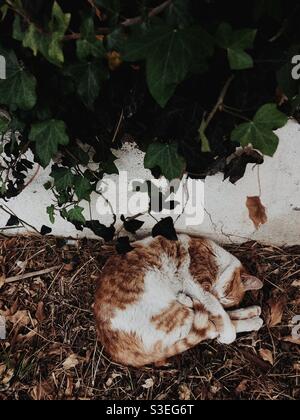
248,325
245,313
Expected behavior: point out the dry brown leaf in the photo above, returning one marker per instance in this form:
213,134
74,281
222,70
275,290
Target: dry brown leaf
71,362
184,392
2,281
70,387
296,283
7,376
111,379
42,391
148,383
257,212
277,305
291,339
20,318
267,356
40,313
3,368
242,387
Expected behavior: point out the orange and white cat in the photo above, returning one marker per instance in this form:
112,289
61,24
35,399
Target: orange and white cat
165,297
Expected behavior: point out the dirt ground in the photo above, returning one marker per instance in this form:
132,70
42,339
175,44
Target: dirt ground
51,351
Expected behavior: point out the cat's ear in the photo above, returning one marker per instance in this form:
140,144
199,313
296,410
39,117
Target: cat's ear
251,282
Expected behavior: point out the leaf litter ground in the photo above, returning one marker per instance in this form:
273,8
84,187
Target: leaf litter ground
51,351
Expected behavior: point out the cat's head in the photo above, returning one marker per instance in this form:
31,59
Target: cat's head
237,285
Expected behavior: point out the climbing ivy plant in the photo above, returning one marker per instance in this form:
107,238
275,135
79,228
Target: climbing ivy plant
188,80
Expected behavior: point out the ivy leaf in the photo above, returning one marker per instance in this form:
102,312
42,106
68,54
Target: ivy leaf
75,215
45,230
178,13
113,6
31,39
169,54
107,233
49,43
13,221
109,167
236,42
63,178
89,46
166,229
89,78
259,132
236,168
51,213
18,90
123,246
3,10
83,188
4,124
48,135
58,25
132,226
239,59
167,158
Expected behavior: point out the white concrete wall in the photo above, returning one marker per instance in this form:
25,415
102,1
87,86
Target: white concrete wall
226,217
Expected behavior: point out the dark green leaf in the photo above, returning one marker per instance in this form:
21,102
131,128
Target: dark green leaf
51,213
83,188
19,88
170,54
89,78
166,229
45,230
123,246
167,158
107,233
236,42
63,178
75,215
259,132
13,221
48,135
132,226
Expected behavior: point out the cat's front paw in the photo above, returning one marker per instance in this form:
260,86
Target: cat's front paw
228,336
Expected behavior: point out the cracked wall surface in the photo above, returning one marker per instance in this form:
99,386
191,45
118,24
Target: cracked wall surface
222,216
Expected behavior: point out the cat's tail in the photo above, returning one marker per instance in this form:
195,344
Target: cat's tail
202,329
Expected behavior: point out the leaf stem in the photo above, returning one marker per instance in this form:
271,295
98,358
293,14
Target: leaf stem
235,114
220,101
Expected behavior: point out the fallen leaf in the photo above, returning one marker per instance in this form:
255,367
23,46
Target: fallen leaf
70,387
242,387
148,383
267,356
2,281
40,313
20,318
111,379
71,362
7,376
291,339
296,367
277,305
42,391
184,392
257,212
3,368
296,283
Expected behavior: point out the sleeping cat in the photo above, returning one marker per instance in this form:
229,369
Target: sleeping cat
165,297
